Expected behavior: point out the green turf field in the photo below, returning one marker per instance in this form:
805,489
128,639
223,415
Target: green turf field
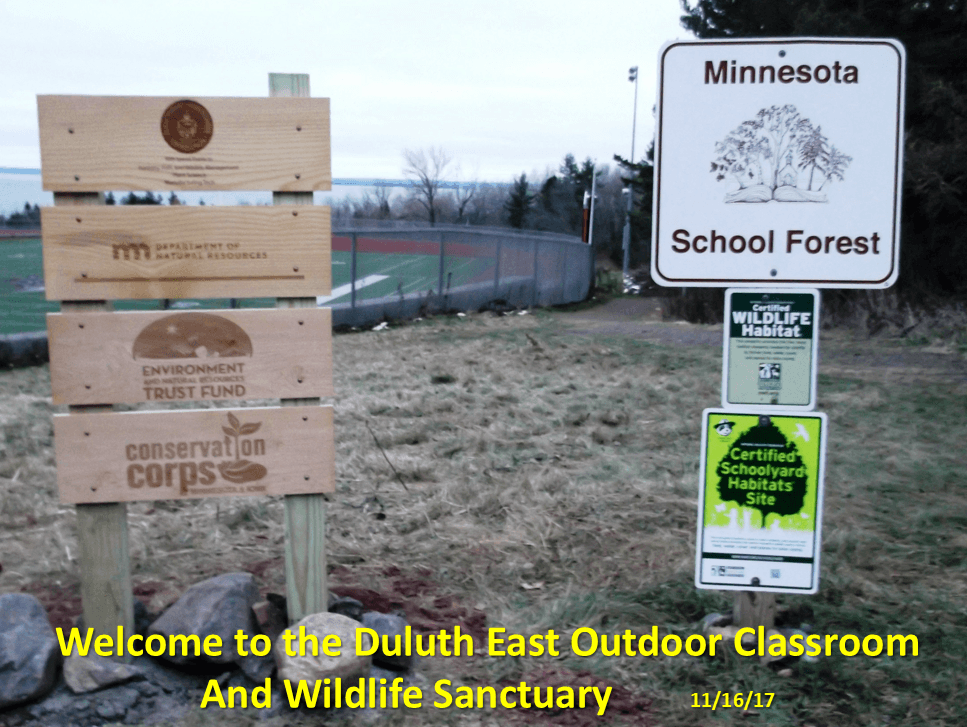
22,303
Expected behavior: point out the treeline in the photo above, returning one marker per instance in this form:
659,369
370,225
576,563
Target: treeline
28,218
553,202
933,248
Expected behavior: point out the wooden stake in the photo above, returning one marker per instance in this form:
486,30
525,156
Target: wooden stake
754,608
305,515
102,529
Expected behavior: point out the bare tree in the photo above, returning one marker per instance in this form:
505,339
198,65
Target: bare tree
426,168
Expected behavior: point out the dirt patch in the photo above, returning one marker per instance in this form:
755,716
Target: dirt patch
624,707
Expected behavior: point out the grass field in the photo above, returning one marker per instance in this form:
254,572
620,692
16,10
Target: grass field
549,467
385,274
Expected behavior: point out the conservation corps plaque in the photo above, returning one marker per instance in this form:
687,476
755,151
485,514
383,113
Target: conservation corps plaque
159,455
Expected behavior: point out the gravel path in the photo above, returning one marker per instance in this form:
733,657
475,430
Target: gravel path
841,352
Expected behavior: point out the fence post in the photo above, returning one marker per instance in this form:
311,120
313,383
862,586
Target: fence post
563,278
440,285
352,275
536,297
500,248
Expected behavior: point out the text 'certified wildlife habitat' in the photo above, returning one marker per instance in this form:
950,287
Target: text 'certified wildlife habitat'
760,501
769,348
778,162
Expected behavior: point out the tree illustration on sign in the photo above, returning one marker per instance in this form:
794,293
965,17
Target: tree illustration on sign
241,470
752,474
778,155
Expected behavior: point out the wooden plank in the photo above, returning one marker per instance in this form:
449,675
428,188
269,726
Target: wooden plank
102,530
305,515
305,556
92,143
189,355
160,455
752,609
186,252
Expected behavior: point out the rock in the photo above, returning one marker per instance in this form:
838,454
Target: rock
279,601
258,668
389,627
219,606
270,619
88,673
29,652
614,418
768,658
115,703
604,435
346,606
348,665
717,620
727,644
142,618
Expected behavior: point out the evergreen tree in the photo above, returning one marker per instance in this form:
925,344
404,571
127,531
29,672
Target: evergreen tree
519,203
148,198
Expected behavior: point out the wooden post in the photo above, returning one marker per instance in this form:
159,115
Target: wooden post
102,529
305,515
754,608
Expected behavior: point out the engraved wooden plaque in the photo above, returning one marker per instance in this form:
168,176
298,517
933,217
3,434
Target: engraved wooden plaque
114,252
94,143
98,358
123,457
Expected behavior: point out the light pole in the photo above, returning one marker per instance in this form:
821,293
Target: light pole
626,236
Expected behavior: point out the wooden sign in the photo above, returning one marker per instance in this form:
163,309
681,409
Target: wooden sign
98,358
93,143
186,252
127,456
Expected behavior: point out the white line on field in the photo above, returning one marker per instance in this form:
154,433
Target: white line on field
348,288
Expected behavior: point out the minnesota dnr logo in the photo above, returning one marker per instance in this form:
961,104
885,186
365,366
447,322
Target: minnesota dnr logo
185,464
187,126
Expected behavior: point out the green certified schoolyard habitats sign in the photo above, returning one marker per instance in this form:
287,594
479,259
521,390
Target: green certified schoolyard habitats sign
760,501
769,348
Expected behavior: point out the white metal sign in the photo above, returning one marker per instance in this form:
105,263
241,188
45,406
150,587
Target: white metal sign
770,346
778,162
760,502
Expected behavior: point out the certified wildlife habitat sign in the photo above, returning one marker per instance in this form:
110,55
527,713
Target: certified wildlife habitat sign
770,348
778,162
760,501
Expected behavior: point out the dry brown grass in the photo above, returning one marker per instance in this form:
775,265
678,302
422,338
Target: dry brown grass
549,481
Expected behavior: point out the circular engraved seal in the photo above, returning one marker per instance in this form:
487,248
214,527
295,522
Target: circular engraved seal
187,126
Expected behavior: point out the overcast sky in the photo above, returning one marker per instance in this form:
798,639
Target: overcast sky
504,86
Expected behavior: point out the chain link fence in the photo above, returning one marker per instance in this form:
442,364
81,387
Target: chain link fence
403,272
398,271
